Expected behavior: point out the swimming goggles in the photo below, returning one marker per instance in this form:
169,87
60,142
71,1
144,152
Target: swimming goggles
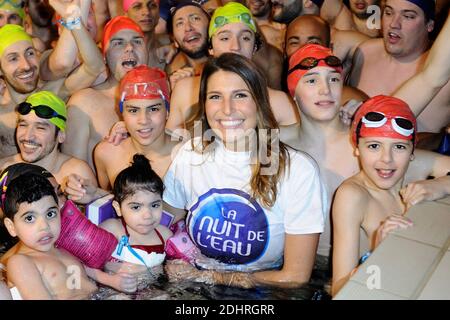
42,111
16,4
143,90
400,125
3,180
220,21
311,62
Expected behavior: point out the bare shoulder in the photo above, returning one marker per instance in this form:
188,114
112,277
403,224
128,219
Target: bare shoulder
113,225
352,193
6,162
372,46
75,165
19,261
83,99
278,96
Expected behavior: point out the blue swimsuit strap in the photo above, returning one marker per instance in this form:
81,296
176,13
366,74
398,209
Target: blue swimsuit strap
124,242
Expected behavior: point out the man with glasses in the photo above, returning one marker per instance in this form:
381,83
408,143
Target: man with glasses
41,124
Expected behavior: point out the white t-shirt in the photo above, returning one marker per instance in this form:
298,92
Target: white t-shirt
226,223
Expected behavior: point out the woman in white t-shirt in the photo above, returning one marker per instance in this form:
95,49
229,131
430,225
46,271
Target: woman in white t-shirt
255,206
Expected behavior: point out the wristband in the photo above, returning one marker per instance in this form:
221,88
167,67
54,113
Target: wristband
71,23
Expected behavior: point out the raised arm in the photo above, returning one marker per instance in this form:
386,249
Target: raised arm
78,129
421,89
63,59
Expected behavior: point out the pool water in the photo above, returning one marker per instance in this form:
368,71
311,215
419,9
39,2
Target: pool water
161,289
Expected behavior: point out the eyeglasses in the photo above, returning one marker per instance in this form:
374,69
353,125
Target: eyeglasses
42,111
311,62
15,4
400,125
221,20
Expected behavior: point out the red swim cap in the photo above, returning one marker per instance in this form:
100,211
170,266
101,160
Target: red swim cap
383,116
143,82
314,51
115,25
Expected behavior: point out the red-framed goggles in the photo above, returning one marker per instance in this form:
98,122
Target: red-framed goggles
311,62
42,111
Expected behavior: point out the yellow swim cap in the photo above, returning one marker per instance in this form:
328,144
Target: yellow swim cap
55,103
10,34
15,6
232,12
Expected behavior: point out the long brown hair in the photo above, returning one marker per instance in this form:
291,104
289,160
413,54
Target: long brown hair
264,186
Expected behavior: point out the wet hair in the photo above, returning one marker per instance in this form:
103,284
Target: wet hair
138,176
16,170
28,187
264,187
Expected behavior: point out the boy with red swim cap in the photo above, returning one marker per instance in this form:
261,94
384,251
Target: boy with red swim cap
384,133
93,111
143,103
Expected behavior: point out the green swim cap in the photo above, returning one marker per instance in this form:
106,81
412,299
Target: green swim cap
15,6
232,12
51,100
10,34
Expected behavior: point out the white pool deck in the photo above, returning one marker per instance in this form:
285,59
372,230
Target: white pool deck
409,264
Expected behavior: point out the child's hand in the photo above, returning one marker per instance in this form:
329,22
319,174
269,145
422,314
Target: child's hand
392,223
80,190
124,282
426,190
348,110
117,134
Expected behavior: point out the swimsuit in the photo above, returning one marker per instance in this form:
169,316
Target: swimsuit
148,255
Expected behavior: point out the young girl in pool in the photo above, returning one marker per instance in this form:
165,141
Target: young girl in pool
138,194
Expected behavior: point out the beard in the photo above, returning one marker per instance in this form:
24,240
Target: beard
20,86
196,53
288,13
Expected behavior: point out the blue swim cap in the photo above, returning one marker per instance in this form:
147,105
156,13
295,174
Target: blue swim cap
428,7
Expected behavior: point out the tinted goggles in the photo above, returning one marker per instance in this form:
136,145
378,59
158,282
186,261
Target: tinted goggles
42,111
311,62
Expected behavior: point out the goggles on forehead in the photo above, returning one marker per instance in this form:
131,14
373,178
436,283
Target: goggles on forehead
42,111
400,125
15,4
220,21
3,180
311,62
143,90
